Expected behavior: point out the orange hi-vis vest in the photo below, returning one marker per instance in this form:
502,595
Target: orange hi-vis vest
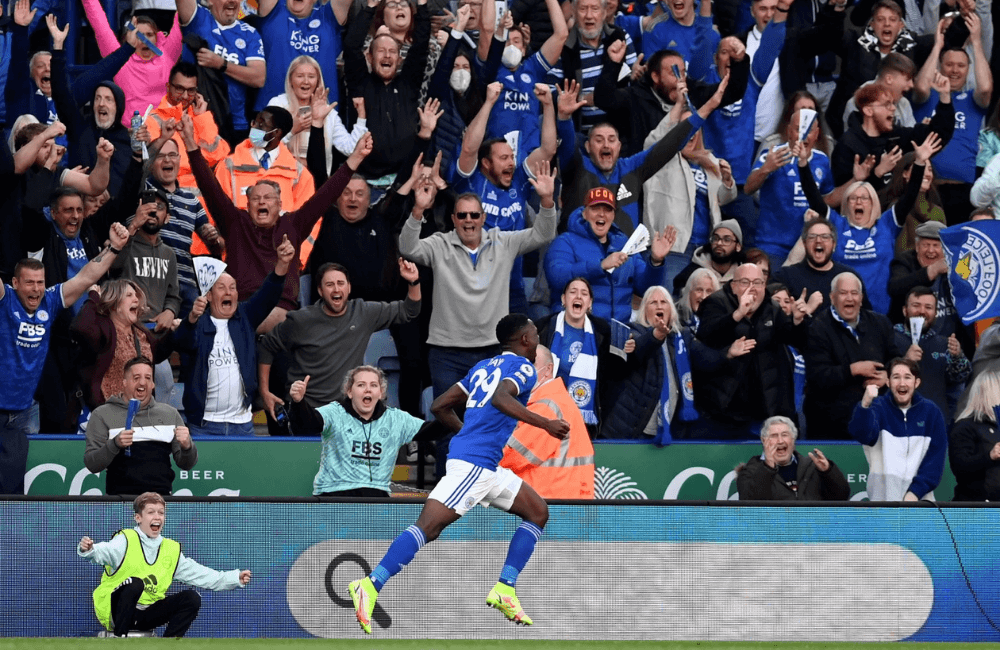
557,469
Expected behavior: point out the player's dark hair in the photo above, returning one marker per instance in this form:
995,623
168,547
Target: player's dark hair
903,361
656,61
136,361
510,327
896,62
985,211
890,5
326,268
145,499
27,133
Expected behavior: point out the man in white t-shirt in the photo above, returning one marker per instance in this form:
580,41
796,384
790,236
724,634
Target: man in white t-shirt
218,349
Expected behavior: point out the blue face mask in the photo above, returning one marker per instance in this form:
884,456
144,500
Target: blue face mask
257,136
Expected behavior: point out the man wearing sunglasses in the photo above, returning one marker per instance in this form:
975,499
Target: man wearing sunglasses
471,266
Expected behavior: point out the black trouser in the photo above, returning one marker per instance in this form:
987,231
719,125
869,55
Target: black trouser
178,610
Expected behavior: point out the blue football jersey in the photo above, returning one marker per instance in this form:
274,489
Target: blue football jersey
24,343
237,43
486,430
504,208
517,115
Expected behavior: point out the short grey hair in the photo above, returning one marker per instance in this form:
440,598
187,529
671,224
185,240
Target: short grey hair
604,4
778,419
845,274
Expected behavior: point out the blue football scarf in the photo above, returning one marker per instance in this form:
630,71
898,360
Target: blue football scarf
846,325
682,365
583,374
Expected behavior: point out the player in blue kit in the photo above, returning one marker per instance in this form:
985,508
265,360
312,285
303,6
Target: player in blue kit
495,393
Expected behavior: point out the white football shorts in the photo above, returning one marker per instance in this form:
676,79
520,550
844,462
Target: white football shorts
464,485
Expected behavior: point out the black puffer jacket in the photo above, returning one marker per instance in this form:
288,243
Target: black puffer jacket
765,373
755,481
977,477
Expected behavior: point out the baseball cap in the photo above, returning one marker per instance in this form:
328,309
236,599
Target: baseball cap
600,195
929,230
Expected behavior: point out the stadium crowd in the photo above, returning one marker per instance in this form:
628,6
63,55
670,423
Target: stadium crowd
724,218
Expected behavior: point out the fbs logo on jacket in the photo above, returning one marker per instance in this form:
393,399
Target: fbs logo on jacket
972,252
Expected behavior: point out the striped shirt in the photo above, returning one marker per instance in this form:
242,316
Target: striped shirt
591,61
186,216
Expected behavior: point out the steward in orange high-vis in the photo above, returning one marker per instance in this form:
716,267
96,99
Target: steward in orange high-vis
557,469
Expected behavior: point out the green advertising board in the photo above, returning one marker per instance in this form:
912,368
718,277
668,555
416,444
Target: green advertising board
286,467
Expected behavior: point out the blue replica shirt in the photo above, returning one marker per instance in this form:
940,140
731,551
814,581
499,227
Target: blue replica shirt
516,117
702,226
869,251
76,259
671,35
24,342
782,202
286,37
729,129
237,43
486,430
957,161
358,454
633,27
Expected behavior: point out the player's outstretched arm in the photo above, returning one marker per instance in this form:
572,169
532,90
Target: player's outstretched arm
505,402
443,407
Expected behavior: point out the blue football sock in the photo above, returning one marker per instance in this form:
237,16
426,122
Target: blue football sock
522,545
400,553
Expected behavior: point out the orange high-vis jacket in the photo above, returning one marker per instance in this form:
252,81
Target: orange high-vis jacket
241,170
557,469
213,148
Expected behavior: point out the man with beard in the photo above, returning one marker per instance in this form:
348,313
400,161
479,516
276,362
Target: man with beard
237,52
363,241
187,216
328,338
721,255
734,400
391,99
814,273
583,56
163,123
640,106
85,127
904,436
604,166
498,179
151,263
847,351
925,266
876,133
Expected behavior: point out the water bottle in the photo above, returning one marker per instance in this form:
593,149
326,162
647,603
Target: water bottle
134,127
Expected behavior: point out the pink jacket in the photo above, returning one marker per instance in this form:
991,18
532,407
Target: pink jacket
144,82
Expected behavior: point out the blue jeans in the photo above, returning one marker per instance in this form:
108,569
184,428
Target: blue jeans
14,429
448,367
222,429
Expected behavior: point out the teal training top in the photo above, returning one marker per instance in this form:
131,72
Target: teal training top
358,454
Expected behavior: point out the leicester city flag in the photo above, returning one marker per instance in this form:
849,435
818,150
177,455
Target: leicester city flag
973,256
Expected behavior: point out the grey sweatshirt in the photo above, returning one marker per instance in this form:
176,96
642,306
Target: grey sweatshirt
326,347
154,268
471,298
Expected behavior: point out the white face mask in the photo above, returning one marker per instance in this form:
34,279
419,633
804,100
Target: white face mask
511,57
460,80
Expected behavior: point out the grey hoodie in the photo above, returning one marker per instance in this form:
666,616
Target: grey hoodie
154,268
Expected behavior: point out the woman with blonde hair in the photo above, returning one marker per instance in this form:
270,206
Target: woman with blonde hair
110,334
974,442
866,236
303,86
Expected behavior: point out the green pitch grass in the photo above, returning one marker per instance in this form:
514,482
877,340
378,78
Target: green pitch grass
507,644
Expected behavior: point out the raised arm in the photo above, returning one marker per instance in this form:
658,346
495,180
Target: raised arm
984,76
107,41
552,47
264,7
355,65
416,59
549,140
476,131
924,80
95,268
186,10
